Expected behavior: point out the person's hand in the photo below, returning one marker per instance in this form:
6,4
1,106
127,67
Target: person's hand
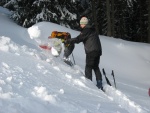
66,41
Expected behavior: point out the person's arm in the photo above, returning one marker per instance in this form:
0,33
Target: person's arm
80,38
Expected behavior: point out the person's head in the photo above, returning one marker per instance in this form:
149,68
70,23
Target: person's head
83,22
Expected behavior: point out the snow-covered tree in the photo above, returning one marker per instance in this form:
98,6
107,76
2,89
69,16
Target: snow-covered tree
29,12
148,1
2,2
126,19
137,21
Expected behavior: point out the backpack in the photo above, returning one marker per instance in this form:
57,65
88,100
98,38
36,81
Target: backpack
61,35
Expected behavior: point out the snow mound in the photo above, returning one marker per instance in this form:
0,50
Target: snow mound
34,32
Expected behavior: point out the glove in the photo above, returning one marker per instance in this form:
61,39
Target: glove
66,41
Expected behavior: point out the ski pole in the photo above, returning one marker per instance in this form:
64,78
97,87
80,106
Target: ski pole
108,82
114,78
73,59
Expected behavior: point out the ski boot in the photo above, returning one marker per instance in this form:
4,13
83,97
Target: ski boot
99,84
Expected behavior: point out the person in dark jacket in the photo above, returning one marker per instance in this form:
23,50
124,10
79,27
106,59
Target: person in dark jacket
93,50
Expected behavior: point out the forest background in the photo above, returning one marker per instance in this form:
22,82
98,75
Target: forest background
125,19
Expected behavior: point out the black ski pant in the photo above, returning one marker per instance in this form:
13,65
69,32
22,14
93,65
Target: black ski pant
92,63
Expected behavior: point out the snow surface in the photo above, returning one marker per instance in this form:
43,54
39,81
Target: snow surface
33,81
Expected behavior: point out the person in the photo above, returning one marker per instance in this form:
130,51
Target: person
68,48
93,50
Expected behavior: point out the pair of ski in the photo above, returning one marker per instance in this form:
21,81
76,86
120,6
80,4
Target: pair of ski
107,80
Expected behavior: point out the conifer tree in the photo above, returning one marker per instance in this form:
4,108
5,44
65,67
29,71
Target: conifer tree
148,21
126,19
29,12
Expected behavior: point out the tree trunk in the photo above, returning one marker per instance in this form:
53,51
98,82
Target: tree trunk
148,21
113,19
108,18
95,15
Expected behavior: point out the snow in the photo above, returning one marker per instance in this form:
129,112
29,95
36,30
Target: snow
33,81
34,32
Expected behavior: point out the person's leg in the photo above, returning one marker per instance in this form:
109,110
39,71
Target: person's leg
88,72
97,72
98,77
88,68
96,68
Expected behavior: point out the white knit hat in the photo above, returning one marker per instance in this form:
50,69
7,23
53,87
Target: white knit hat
84,20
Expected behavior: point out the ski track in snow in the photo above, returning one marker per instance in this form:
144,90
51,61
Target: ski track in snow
120,98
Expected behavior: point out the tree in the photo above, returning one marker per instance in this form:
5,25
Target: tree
139,21
108,8
112,18
94,13
29,12
2,2
148,21
126,19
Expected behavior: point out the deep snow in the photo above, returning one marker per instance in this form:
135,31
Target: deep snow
33,81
